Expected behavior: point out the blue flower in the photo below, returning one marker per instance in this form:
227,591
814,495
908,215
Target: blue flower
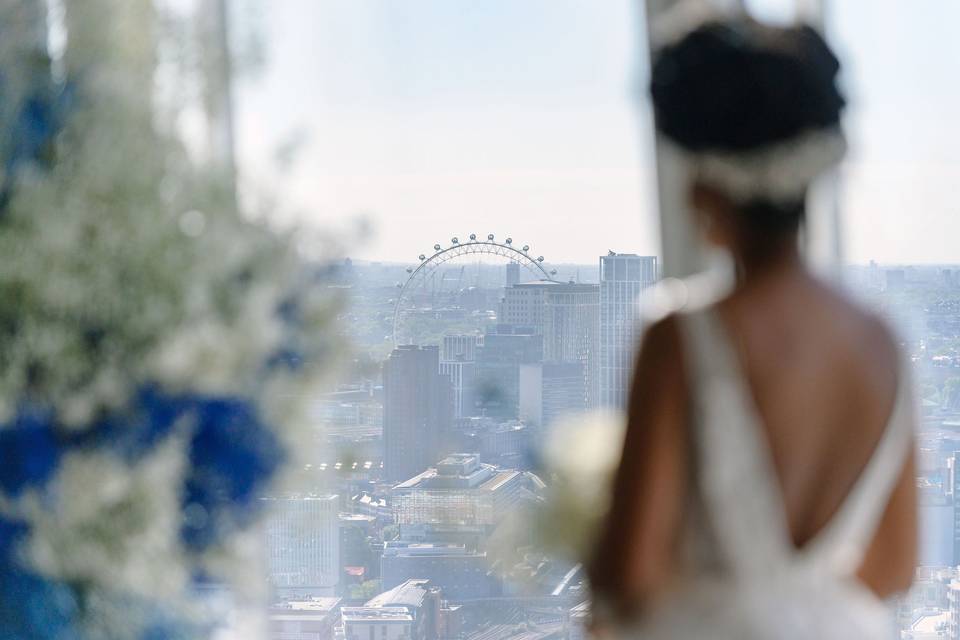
41,115
290,311
31,606
134,433
286,358
232,454
29,451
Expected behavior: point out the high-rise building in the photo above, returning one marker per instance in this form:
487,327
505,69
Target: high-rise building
457,346
458,363
623,276
497,390
953,476
506,444
566,314
571,319
303,544
417,410
462,374
522,305
550,390
953,619
513,273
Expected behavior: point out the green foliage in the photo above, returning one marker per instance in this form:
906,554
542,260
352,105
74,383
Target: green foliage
390,532
929,392
951,393
365,590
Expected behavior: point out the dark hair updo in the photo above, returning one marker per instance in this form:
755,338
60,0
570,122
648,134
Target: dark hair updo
737,90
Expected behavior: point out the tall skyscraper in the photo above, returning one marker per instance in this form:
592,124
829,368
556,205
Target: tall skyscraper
462,374
513,273
953,475
459,346
623,276
522,305
458,356
551,390
303,544
498,370
566,314
571,317
417,411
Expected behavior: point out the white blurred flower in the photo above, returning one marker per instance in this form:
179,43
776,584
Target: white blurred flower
580,459
585,448
115,526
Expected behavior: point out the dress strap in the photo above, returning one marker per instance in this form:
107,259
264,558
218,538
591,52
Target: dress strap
733,467
737,479
841,545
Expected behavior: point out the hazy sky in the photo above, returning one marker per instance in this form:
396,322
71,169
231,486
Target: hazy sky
435,118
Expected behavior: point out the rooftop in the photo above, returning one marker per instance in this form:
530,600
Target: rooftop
303,497
394,548
454,473
548,284
310,605
931,624
375,614
357,518
411,593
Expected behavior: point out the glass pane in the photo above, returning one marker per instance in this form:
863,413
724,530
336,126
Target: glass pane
478,159
897,196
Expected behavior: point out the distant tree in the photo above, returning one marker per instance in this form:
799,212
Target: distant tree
390,532
365,590
951,393
929,392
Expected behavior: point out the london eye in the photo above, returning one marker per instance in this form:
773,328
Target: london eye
473,245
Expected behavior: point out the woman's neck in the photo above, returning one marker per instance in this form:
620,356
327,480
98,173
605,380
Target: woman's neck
771,261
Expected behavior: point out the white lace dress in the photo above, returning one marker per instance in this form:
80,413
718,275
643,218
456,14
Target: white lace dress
741,577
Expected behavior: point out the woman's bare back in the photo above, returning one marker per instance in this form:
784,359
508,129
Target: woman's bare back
823,375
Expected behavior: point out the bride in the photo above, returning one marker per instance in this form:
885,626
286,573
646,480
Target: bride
766,484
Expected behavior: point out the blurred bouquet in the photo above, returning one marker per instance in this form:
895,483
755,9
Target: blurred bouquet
580,458
578,462
155,344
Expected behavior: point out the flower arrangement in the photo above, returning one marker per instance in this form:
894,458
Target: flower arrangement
155,343
580,458
577,463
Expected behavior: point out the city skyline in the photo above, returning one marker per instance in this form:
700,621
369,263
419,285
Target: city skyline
434,531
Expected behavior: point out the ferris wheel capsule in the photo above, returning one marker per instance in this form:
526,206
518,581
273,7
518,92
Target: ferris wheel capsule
526,248
539,258
473,236
509,240
490,236
422,257
553,272
409,269
436,247
455,240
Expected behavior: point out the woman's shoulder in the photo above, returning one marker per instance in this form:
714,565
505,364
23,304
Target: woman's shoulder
861,328
856,347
